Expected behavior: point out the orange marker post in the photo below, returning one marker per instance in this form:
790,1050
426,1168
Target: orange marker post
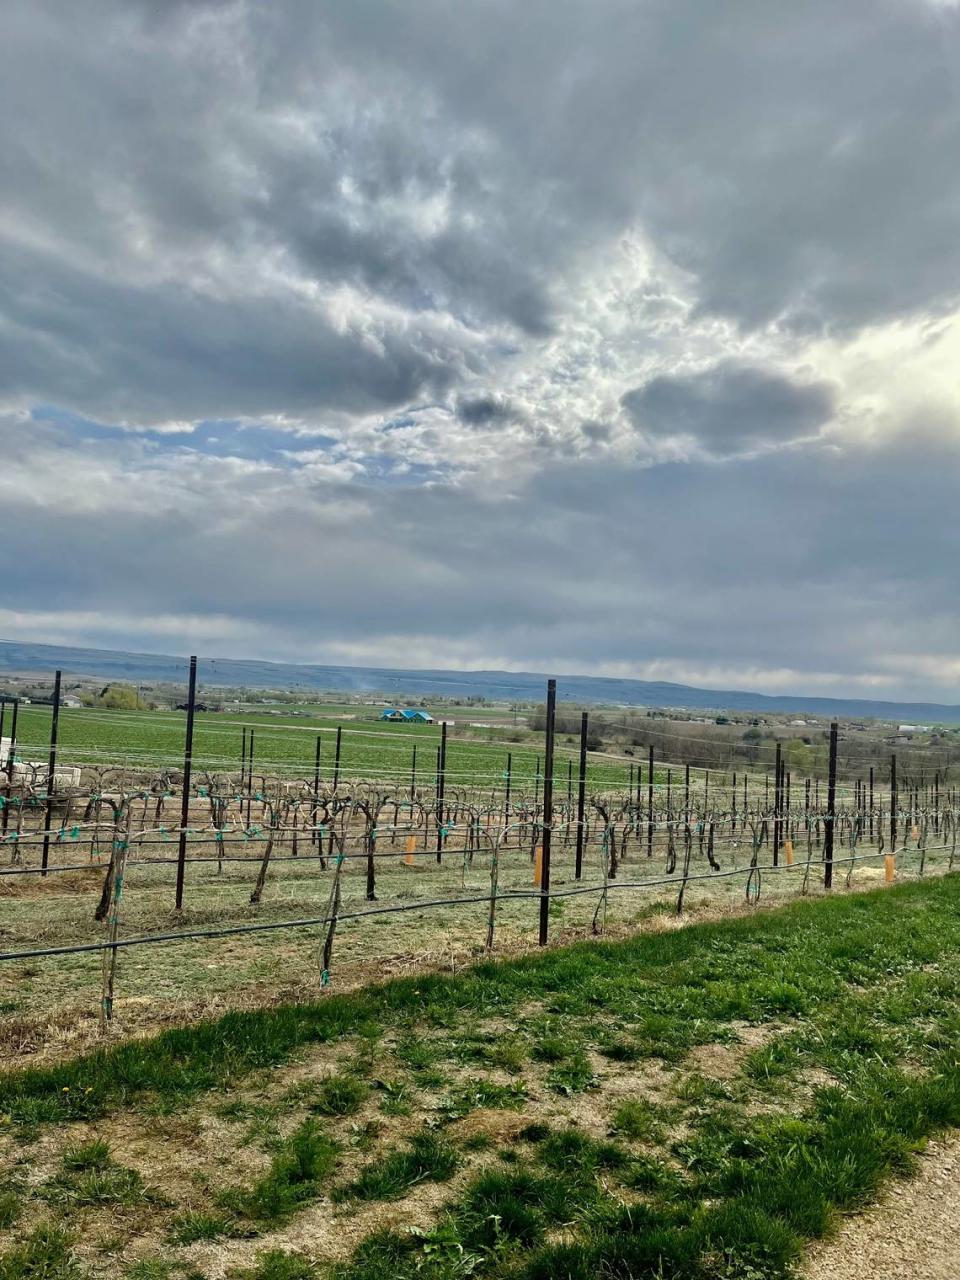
538,865
788,852
889,867
411,845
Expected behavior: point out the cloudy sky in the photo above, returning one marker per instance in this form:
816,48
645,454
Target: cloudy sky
609,336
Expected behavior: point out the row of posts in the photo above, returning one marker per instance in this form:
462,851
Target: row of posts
781,798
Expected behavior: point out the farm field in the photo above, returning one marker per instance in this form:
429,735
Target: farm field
695,1104
287,744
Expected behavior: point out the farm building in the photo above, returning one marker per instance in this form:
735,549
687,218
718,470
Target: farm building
408,716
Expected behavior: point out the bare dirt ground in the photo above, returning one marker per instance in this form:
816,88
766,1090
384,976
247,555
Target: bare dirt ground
911,1233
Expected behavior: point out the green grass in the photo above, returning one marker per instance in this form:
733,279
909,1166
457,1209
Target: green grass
90,1176
197,1225
298,1174
10,1208
674,990
638,1119
475,1094
707,1179
340,1096
427,1157
287,743
46,1254
276,1264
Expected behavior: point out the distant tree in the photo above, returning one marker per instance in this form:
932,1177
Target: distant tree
119,697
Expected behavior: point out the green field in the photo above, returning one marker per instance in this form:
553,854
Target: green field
285,743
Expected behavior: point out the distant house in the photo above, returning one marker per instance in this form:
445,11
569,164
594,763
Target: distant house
407,716
70,701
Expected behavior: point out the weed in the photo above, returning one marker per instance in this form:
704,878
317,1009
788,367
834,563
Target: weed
296,1176
551,1048
90,1176
46,1254
340,1096
638,1120
10,1208
427,1157
196,1225
572,1152
395,1098
275,1264
87,1155
620,1051
475,1094
573,1074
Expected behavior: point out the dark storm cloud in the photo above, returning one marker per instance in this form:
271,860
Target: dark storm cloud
451,161
485,410
731,406
483,242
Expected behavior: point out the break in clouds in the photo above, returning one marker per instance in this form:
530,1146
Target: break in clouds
612,337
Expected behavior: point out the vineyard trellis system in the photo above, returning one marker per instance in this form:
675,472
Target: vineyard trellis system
486,841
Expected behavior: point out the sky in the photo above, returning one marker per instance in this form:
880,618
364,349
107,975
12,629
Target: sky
618,337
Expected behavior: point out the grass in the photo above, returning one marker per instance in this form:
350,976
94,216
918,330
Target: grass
674,1174
479,1093
90,1176
276,1264
427,1157
674,989
46,1254
10,1208
340,1096
288,742
297,1175
637,1119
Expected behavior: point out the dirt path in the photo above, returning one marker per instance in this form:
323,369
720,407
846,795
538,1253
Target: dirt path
912,1231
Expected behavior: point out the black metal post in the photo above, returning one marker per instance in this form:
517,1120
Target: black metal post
10,762
893,804
547,831
314,835
336,757
650,802
187,772
776,806
441,788
581,795
830,816
250,790
51,773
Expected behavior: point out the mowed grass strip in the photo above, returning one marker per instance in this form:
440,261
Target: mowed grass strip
674,989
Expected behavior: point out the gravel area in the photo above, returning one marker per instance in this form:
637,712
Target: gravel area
912,1231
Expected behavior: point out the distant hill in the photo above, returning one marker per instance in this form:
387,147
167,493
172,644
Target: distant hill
501,685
